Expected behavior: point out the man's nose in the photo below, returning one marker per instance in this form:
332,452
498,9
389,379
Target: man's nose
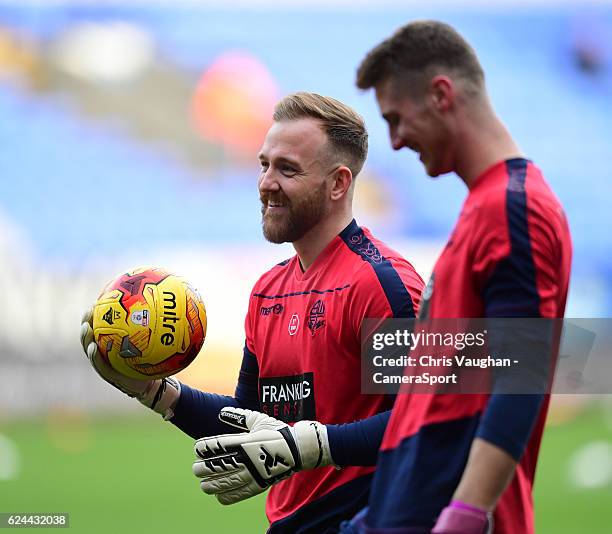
397,140
267,181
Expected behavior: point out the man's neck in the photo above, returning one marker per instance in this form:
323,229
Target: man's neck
313,243
485,141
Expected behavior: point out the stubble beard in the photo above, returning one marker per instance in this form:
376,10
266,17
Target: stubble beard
300,217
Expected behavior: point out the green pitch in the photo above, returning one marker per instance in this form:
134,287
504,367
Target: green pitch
134,475
563,506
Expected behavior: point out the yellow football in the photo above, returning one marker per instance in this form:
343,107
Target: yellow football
149,323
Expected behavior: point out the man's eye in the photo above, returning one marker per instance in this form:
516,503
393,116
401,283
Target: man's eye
264,166
392,121
288,171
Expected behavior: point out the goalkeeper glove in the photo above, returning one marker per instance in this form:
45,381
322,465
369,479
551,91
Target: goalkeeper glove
234,467
160,395
461,518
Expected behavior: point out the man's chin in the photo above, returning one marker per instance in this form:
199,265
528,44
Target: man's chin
275,239
435,172
275,235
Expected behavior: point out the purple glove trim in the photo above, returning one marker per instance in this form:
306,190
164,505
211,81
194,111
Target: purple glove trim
464,506
461,518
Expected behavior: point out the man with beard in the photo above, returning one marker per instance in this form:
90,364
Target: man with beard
301,360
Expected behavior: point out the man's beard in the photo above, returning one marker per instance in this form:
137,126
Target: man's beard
300,217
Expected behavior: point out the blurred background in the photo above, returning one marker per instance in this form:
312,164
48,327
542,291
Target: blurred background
128,136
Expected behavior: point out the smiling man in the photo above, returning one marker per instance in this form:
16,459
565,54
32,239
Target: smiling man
465,464
298,401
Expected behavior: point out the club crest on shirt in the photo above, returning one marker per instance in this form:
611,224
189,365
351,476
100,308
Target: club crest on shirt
316,316
294,324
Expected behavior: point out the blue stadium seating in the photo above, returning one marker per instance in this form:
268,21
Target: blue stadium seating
58,167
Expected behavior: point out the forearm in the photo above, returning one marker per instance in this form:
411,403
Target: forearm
357,443
488,471
501,438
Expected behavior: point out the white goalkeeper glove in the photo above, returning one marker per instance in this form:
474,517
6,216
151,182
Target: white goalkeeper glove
234,467
160,395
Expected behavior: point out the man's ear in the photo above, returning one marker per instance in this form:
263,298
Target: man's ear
442,93
342,181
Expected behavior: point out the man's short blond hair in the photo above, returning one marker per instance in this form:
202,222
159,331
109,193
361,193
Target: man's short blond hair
345,129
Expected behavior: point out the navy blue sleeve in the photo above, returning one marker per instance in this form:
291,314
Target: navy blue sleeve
508,421
357,443
247,388
517,396
512,291
196,412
